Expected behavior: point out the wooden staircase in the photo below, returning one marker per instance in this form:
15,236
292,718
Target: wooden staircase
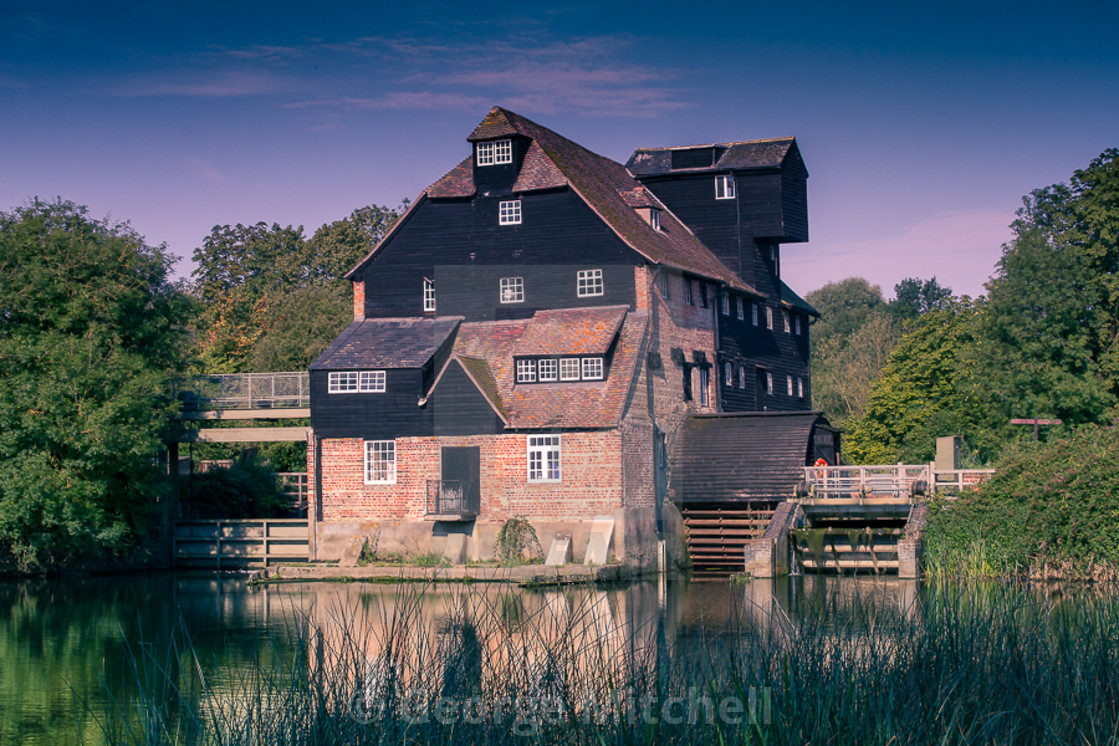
717,533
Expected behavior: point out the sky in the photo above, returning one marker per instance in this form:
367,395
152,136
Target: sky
922,124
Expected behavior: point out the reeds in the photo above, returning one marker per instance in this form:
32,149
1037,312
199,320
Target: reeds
964,664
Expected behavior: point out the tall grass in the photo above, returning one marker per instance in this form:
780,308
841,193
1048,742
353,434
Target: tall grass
965,664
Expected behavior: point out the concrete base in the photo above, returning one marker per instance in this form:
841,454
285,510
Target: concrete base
560,551
768,555
911,549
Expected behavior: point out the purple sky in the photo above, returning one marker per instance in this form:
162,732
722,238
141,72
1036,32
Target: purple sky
922,124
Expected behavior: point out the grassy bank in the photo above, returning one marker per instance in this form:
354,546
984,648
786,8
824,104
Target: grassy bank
963,665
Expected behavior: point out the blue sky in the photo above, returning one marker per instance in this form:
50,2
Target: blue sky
922,124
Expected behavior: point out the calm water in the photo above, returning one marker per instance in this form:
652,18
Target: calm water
73,649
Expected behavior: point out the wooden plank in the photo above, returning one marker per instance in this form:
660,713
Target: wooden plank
245,435
248,414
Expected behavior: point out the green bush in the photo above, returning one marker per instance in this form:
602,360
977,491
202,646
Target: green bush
517,542
247,489
1051,509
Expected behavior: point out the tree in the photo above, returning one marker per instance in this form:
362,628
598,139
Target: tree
88,337
340,245
914,296
843,306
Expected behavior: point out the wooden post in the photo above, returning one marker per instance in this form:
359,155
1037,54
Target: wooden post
1035,422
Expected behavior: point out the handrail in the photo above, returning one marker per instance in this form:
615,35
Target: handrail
244,391
895,479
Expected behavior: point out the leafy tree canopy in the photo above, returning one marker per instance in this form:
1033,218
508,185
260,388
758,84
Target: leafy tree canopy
88,336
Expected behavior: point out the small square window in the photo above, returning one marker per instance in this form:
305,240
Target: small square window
380,462
589,282
526,371
592,369
344,382
740,309
512,290
509,212
569,369
371,381
547,369
724,186
754,312
769,317
543,458
429,296
495,152
789,382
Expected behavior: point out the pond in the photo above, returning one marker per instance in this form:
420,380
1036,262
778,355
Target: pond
84,659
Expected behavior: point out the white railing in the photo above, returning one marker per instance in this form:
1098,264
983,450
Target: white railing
899,480
290,389
960,479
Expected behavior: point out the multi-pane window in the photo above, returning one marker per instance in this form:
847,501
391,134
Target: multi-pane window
788,322
592,369
688,297
704,382
725,303
526,371
754,312
589,282
728,374
769,317
742,377
800,387
662,281
543,458
569,369
789,383
495,152
356,381
548,368
512,290
739,308
509,212
380,462
769,383
429,295
724,186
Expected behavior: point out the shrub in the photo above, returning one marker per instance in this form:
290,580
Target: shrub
247,489
517,542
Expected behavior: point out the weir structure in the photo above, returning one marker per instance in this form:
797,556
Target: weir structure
859,518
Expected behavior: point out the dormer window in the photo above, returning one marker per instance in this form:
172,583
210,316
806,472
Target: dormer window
495,152
724,186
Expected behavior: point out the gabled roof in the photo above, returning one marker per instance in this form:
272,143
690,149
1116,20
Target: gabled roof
387,343
791,299
553,161
746,456
572,331
486,351
728,156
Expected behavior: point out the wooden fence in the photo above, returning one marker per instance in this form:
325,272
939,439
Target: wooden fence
232,544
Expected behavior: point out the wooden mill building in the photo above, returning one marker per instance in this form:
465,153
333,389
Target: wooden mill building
538,335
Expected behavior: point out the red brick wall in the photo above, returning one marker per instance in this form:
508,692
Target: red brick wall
591,465
359,300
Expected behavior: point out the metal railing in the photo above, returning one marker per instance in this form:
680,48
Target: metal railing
293,486
895,480
449,497
244,391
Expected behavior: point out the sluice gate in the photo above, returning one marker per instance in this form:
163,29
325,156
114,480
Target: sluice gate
717,533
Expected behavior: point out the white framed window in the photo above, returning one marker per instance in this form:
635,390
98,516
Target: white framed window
725,305
569,369
724,186
509,212
742,377
788,320
739,309
704,382
526,371
800,387
380,462
547,368
769,317
589,282
798,324
728,374
769,383
356,381
495,152
789,383
754,312
544,458
592,369
662,281
655,218
429,295
511,290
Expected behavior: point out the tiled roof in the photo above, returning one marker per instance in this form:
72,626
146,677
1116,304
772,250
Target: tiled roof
790,298
387,343
572,331
552,161
486,351
749,154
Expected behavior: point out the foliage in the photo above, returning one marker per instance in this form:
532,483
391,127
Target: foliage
915,399
914,296
293,333
844,307
843,368
1049,507
246,489
517,542
88,334
339,246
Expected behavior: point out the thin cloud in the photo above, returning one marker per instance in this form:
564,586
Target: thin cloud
214,84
